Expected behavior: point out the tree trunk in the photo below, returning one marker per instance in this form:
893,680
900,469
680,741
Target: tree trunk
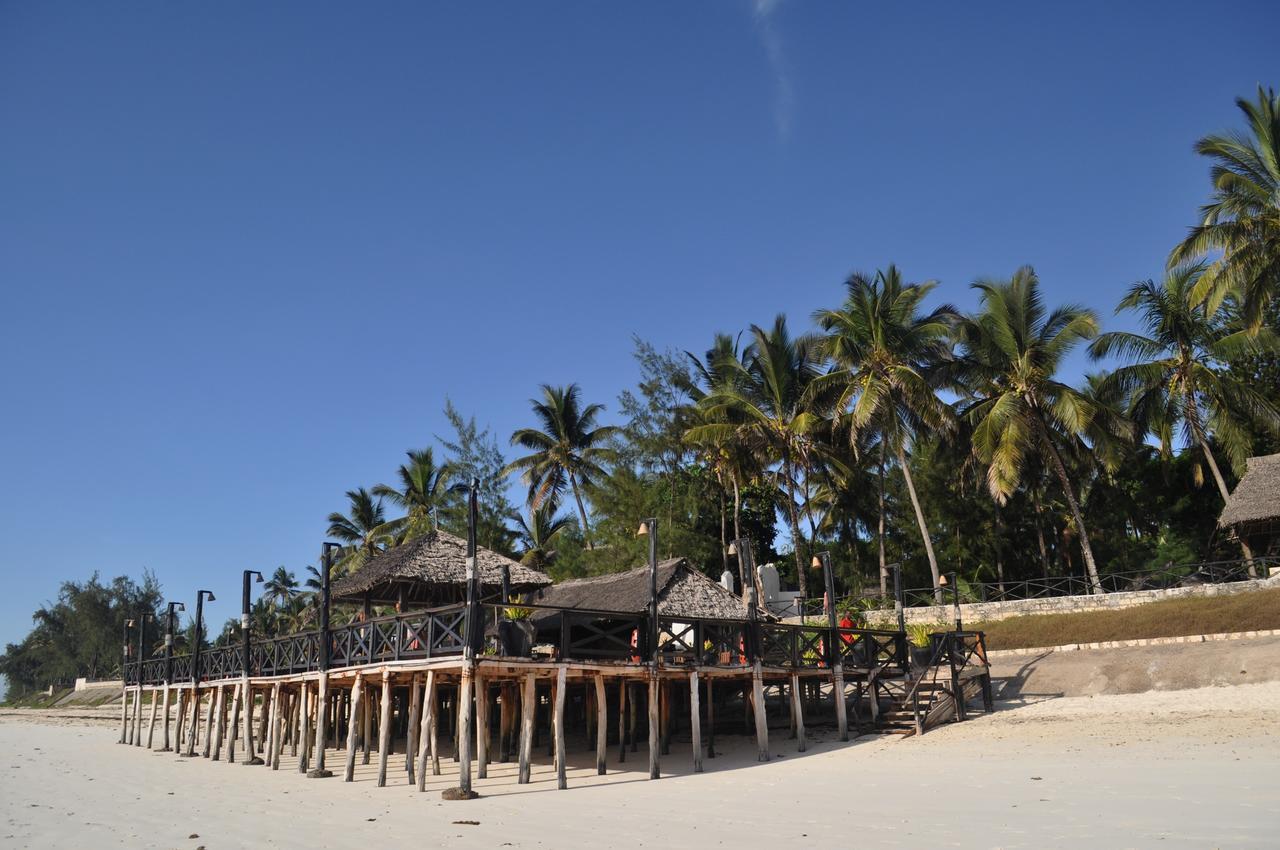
801,576
1082,531
582,511
1194,419
1044,549
737,535
884,569
724,533
924,528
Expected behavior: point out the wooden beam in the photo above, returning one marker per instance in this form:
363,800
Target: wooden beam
482,728
180,721
366,721
622,720
322,716
193,733
151,727
528,707
424,728
654,745
695,721
758,709
166,748
384,730
219,711
269,713
411,733
602,724
277,724
562,780
504,722
837,690
357,689
304,725
234,724
797,712
463,748
432,699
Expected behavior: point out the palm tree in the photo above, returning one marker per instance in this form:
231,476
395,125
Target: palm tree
569,449
764,400
281,587
1173,377
1012,349
1242,218
537,534
423,489
364,528
886,354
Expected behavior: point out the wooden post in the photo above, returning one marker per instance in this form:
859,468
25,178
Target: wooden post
234,724
124,710
758,709
193,733
270,708
695,721
837,690
180,722
277,725
247,700
219,710
425,736
551,721
357,688
295,720
137,719
482,728
602,724
131,702
797,712
622,720
562,780
366,720
304,724
384,730
664,717
711,721
654,746
322,716
634,709
504,722
528,707
411,733
264,721
208,725
151,726
166,746
463,748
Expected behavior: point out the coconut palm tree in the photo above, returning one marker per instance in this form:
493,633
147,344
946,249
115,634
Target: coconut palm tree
364,529
568,450
424,488
1242,218
1011,351
537,534
281,587
764,401
1174,378
886,352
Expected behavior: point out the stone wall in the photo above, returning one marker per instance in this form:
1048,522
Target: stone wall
975,612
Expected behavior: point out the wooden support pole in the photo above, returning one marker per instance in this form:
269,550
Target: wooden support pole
295,720
180,721
131,702
551,722
425,736
357,688
193,722
384,730
167,747
622,720
247,700
322,717
654,746
602,724
277,725
219,711
837,691
528,707
797,712
270,711
366,721
695,721
711,721
411,733
304,725
634,709
504,722
234,724
482,728
151,726
124,712
562,780
208,725
137,720
264,722
758,709
664,723
463,747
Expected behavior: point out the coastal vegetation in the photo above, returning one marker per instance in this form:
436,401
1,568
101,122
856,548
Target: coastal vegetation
895,429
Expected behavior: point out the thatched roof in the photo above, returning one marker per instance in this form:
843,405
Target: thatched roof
682,592
432,569
1257,496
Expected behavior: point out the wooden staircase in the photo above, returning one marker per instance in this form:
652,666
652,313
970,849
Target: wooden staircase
926,697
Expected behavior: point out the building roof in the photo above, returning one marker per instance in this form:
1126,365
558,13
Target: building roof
682,592
1257,496
439,560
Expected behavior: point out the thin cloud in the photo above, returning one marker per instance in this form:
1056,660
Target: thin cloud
783,98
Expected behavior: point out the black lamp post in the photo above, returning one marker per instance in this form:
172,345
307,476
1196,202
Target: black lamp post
950,579
742,549
142,640
168,664
326,567
897,596
124,680
244,616
201,595
649,528
823,559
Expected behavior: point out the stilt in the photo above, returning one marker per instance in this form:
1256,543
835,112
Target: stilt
551,720
602,725
695,721
193,733
797,712
463,748
837,691
357,688
654,746
295,720
504,723
270,713
234,723
424,728
711,720
208,725
304,725
562,781
758,709
131,702
218,712
384,730
411,733
137,719
264,722
366,720
124,712
664,717
180,724
528,706
482,728
166,748
622,720
249,755
277,725
322,717
151,725
634,709
433,740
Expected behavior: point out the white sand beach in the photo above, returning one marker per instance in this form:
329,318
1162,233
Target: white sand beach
1195,769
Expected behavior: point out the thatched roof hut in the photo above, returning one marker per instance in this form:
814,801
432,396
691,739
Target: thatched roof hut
429,571
1253,511
682,592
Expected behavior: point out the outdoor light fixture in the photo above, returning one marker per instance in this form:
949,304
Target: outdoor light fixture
733,548
643,531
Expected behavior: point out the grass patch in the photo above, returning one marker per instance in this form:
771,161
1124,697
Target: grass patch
1201,615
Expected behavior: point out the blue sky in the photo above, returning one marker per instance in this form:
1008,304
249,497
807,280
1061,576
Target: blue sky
246,249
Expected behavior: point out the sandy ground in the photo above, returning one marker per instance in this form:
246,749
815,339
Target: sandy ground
1197,769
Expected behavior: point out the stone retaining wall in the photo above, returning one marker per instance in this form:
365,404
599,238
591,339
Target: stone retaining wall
974,612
